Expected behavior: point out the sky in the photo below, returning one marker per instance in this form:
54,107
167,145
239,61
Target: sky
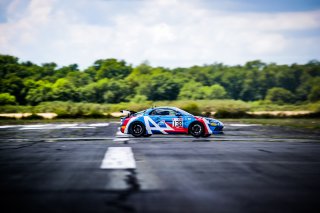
167,33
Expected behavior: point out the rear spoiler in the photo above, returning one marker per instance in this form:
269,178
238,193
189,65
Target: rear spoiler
128,112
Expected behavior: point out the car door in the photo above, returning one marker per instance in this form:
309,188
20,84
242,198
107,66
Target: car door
155,115
168,116
167,120
162,116
175,120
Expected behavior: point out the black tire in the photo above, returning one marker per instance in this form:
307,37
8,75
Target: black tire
146,136
137,129
196,129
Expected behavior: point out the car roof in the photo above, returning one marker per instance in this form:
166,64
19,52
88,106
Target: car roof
162,107
166,107
147,111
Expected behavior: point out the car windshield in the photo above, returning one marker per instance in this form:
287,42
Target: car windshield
183,112
163,111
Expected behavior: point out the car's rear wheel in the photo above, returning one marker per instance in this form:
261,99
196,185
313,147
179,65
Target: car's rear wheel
137,129
196,129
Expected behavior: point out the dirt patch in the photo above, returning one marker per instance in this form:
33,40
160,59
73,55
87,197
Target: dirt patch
286,113
20,115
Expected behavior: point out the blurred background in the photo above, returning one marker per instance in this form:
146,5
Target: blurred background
228,59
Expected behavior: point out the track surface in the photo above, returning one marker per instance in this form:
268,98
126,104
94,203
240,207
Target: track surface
56,168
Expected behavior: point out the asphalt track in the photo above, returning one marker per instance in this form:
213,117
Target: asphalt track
58,168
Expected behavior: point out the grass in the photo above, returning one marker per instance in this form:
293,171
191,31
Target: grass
202,105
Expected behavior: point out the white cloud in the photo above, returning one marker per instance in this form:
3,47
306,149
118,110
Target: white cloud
167,33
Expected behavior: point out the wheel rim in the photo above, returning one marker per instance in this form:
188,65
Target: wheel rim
196,129
137,129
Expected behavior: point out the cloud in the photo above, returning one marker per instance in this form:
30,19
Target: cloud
166,33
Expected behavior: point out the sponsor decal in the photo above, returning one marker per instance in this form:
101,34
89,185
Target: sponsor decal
148,120
162,123
177,122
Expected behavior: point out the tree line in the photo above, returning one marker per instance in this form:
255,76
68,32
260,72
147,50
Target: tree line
115,81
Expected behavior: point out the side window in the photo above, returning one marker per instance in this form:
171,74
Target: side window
163,112
155,112
172,112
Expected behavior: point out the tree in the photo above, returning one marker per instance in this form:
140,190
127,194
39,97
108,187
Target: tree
192,91
8,64
117,91
64,90
314,94
251,86
159,86
78,79
38,92
113,81
13,85
280,95
232,80
109,68
215,91
139,99
196,91
7,99
105,90
254,65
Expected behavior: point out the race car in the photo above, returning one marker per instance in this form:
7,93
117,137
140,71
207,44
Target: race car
168,120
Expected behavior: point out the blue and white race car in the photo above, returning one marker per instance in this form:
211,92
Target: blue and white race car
168,120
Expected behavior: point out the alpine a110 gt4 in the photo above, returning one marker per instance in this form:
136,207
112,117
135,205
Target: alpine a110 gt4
168,120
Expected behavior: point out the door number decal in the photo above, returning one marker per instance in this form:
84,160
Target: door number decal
177,122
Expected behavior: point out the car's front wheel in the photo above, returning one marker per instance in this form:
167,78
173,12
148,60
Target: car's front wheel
137,129
196,129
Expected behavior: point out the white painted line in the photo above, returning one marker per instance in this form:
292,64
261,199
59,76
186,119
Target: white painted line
75,139
118,158
244,124
65,125
120,139
78,127
59,126
55,126
6,127
99,124
40,126
35,125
